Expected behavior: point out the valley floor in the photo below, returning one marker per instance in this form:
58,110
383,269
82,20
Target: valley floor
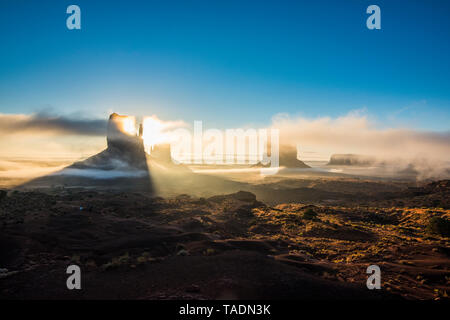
131,245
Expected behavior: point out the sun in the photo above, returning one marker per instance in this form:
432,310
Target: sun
129,125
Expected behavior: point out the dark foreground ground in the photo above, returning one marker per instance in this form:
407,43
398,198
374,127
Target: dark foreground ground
134,246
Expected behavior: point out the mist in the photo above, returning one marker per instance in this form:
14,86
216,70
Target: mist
426,152
102,174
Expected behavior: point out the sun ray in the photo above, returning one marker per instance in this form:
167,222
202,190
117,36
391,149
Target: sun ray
153,133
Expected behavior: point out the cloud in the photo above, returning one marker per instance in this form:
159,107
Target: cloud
356,133
43,123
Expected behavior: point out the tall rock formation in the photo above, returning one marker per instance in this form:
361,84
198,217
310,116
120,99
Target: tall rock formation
122,165
351,160
125,149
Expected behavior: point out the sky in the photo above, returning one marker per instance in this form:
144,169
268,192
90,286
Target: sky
228,63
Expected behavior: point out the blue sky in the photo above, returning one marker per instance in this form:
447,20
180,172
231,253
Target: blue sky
229,63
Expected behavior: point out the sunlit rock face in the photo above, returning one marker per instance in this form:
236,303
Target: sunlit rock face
121,131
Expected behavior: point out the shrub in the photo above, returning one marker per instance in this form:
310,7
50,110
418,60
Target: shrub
145,257
117,262
309,214
75,259
209,252
141,260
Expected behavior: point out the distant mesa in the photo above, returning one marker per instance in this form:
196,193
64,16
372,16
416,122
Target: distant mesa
351,160
162,154
288,158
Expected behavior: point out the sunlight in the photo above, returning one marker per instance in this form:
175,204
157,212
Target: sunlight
153,133
129,125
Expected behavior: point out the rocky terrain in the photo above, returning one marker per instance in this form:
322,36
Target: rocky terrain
133,245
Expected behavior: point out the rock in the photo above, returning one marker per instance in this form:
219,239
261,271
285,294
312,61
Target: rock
351,160
161,153
125,151
183,197
243,196
288,158
119,135
245,210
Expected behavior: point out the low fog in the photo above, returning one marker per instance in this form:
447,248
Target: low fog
39,144
401,148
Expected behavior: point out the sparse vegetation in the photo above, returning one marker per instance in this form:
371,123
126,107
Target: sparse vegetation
117,262
145,257
209,252
324,239
75,259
